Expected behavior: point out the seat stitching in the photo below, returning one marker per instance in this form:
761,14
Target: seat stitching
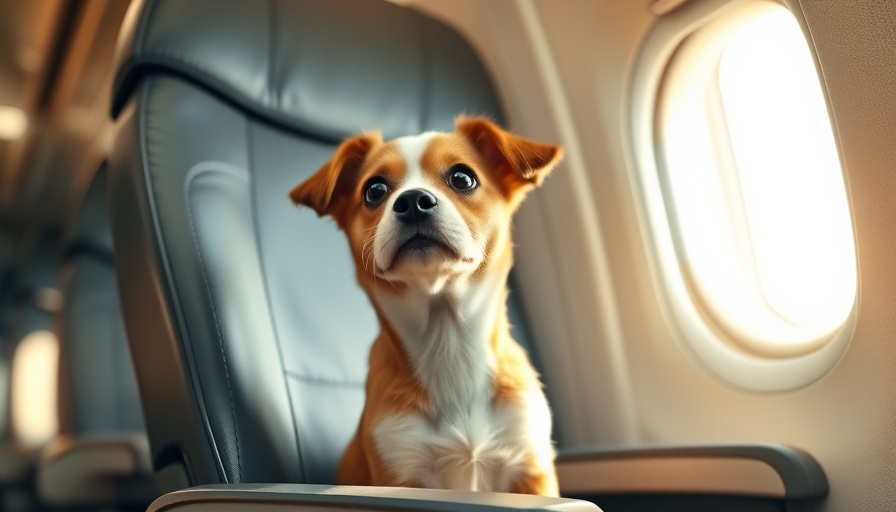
322,381
267,293
146,164
196,170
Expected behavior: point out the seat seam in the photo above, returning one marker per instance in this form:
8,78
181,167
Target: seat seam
193,73
322,381
196,170
267,293
166,268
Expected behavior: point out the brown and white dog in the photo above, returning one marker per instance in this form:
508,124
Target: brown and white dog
452,400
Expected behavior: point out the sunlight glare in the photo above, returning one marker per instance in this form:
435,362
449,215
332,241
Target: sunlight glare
34,391
789,171
755,187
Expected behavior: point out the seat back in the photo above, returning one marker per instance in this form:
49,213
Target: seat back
97,387
248,330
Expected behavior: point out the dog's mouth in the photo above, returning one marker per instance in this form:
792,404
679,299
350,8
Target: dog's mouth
422,246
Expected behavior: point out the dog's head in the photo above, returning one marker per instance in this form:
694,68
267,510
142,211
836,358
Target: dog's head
426,209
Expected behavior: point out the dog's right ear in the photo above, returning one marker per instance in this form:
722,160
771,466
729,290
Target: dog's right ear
335,178
520,163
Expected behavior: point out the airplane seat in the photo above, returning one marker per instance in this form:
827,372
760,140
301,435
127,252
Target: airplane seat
101,455
247,328
232,297
26,420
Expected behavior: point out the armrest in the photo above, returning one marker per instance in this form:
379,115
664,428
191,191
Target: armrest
758,470
278,497
98,470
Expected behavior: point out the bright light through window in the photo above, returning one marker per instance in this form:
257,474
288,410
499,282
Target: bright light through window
789,173
34,392
756,190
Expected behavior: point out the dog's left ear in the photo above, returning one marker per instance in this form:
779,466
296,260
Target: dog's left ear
521,161
335,178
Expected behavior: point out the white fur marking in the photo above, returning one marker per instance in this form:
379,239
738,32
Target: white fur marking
448,222
485,451
412,149
465,442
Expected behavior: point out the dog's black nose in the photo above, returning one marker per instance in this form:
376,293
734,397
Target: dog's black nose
415,205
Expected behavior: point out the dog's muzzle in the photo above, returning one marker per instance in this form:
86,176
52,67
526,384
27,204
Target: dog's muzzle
415,206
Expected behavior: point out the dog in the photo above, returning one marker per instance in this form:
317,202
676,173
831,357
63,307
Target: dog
452,400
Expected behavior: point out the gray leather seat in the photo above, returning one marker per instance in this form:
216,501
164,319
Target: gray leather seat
101,456
248,331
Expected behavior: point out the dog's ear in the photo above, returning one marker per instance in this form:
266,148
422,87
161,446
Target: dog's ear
521,162
337,177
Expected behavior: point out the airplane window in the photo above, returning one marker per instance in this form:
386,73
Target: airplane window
753,185
34,392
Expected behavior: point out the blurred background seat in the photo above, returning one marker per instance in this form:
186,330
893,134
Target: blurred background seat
28,366
101,456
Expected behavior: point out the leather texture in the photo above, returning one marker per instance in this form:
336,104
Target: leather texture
745,469
276,59
97,388
346,497
249,333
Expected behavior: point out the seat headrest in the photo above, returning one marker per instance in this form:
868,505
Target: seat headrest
327,68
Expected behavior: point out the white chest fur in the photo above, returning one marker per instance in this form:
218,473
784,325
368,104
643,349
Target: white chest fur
485,448
466,441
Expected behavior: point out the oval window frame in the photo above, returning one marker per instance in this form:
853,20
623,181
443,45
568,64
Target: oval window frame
734,361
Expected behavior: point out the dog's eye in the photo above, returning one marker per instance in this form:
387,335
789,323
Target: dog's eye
375,190
461,177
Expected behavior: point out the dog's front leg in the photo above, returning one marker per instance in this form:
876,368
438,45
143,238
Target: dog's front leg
541,483
354,468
